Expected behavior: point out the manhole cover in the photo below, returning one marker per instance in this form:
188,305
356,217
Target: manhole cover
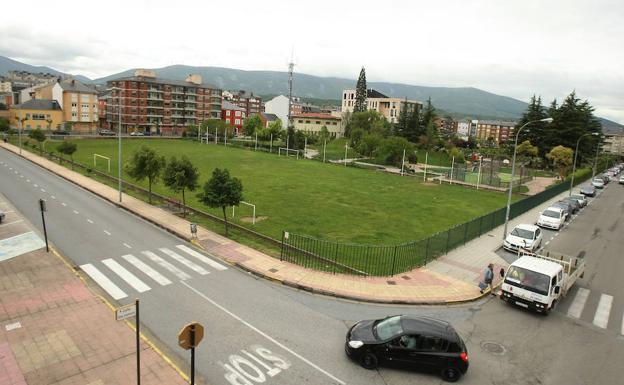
493,348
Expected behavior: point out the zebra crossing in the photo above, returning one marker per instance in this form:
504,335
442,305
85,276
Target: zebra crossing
602,314
149,268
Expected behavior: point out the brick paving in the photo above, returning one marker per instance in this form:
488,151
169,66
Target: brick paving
55,331
450,278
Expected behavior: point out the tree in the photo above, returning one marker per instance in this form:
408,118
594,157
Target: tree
457,154
251,124
414,126
390,150
4,125
562,159
68,148
146,163
402,126
192,131
49,122
222,190
274,129
39,136
428,114
179,176
360,93
369,143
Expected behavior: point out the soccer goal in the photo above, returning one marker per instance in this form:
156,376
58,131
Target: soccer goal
286,151
253,218
95,158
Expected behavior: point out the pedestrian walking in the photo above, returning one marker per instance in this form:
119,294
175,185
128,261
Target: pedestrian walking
488,277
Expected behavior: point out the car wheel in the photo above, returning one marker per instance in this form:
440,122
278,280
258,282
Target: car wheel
369,361
450,374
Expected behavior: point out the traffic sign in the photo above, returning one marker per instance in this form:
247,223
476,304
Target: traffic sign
191,335
124,312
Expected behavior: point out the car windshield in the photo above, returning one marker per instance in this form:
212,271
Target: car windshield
522,233
598,180
527,279
388,328
551,213
578,197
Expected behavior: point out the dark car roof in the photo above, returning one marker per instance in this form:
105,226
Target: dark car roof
428,326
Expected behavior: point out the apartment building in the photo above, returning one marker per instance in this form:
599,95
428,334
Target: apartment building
44,114
5,86
613,141
233,115
446,126
497,130
314,123
386,106
463,129
161,106
78,101
249,102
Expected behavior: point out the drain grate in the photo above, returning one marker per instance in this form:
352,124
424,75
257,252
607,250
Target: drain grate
273,270
391,282
493,348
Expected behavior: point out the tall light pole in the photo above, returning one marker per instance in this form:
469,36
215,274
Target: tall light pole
595,160
513,169
118,89
575,155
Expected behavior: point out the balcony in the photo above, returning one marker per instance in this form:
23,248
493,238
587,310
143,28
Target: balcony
190,101
177,116
154,90
154,97
178,92
154,115
190,108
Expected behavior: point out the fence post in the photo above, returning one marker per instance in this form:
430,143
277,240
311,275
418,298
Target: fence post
282,248
448,239
335,258
480,225
427,250
466,232
393,259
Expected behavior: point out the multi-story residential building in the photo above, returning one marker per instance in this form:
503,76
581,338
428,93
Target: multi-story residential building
613,141
314,123
233,115
496,130
463,129
44,114
102,103
79,103
5,86
446,126
388,107
250,103
278,106
6,98
161,106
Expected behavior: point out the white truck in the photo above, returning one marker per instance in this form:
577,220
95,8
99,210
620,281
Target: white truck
538,282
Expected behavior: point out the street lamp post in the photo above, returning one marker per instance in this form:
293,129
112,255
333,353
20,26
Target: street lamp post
595,160
513,169
575,155
119,139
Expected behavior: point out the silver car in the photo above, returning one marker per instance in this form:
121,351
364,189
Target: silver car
580,198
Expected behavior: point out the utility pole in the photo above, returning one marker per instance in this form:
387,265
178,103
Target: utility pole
291,67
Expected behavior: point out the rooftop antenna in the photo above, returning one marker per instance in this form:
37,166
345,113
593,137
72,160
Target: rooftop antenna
291,67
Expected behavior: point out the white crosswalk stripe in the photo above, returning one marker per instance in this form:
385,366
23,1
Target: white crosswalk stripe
601,318
578,304
166,265
202,258
105,283
153,274
184,261
127,276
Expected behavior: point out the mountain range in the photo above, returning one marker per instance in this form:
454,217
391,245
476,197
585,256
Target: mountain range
459,102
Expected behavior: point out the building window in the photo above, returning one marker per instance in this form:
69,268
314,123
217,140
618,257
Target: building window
74,104
318,122
307,121
237,113
38,117
300,121
334,123
227,112
237,122
74,114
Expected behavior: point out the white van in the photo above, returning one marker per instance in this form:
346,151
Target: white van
552,218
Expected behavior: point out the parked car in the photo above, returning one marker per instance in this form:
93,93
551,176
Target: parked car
576,206
606,178
598,182
565,206
581,199
528,237
2,215
136,133
552,217
588,191
61,133
411,341
621,180
106,132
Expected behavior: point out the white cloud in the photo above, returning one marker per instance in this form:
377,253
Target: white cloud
513,47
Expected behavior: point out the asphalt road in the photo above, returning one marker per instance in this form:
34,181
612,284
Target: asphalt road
261,332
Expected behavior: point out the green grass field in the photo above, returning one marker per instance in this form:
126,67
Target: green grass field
343,204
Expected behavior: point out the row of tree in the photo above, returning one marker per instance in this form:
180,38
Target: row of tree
180,175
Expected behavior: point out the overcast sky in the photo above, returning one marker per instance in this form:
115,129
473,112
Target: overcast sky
512,47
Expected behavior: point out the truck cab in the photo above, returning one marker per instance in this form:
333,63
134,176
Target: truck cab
538,282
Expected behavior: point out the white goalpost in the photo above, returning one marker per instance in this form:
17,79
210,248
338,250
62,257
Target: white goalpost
253,218
95,156
286,151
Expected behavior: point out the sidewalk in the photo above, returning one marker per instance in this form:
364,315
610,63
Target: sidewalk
451,278
54,330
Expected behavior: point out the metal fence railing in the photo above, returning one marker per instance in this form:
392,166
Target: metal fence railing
388,260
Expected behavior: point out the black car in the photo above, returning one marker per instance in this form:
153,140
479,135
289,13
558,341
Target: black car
576,206
566,207
411,341
588,191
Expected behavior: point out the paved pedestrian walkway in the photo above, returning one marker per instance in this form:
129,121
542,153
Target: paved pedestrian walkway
54,330
450,278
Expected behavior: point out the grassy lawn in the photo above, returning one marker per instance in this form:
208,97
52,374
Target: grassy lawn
435,158
343,204
334,150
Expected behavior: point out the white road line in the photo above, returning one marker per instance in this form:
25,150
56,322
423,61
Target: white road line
52,196
166,265
127,245
27,180
21,176
76,212
578,304
153,274
35,185
10,168
127,276
10,223
556,234
107,232
64,204
601,318
202,257
103,281
546,244
43,190
184,261
90,221
264,334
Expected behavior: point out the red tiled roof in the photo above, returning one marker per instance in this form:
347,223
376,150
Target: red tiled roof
316,115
